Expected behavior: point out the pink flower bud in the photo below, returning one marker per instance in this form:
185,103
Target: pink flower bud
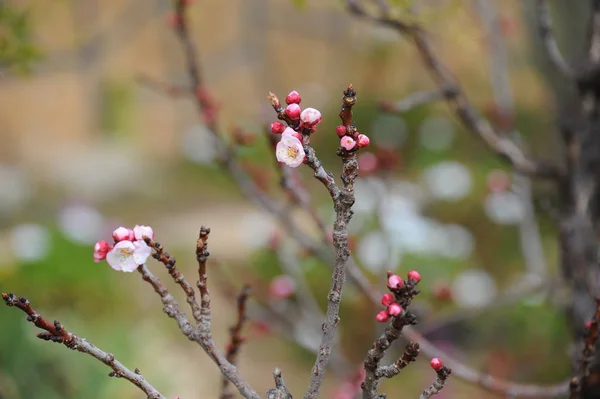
100,250
122,234
140,231
340,130
363,140
282,287
382,316
387,299
347,142
291,132
394,309
310,116
436,364
414,275
394,281
588,325
277,127
293,98
293,111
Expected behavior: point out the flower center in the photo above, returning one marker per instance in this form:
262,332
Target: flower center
126,251
292,152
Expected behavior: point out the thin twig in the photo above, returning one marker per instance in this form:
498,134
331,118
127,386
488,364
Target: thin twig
55,332
201,334
459,103
280,391
418,99
544,25
438,384
373,371
169,261
236,340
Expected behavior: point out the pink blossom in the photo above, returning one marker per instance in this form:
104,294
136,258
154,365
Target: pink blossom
290,151
293,98
341,130
122,234
382,316
127,256
363,140
387,299
395,281
347,142
293,111
291,132
394,309
277,127
282,287
140,231
310,116
100,250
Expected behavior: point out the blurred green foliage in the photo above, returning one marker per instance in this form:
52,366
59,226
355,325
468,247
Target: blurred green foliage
18,51
67,285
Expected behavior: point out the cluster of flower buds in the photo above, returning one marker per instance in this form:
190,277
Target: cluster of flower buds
129,249
290,149
398,287
350,139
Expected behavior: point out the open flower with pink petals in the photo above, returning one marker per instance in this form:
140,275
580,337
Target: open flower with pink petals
127,256
347,142
290,151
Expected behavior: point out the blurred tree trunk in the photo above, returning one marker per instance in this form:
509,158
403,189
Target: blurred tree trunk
578,105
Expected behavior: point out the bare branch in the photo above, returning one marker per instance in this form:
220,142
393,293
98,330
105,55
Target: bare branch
280,391
236,339
544,24
459,103
403,295
416,100
201,334
55,332
438,384
163,257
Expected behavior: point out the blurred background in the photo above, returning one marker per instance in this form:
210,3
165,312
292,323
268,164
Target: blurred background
87,145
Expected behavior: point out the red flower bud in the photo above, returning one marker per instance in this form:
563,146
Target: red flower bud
382,316
394,309
436,364
387,299
277,127
395,281
293,111
414,275
340,130
293,98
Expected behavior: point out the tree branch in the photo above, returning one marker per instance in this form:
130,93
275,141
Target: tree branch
438,384
236,340
459,103
201,334
418,99
166,259
55,332
544,25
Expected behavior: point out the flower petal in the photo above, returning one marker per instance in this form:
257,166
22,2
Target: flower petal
142,252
